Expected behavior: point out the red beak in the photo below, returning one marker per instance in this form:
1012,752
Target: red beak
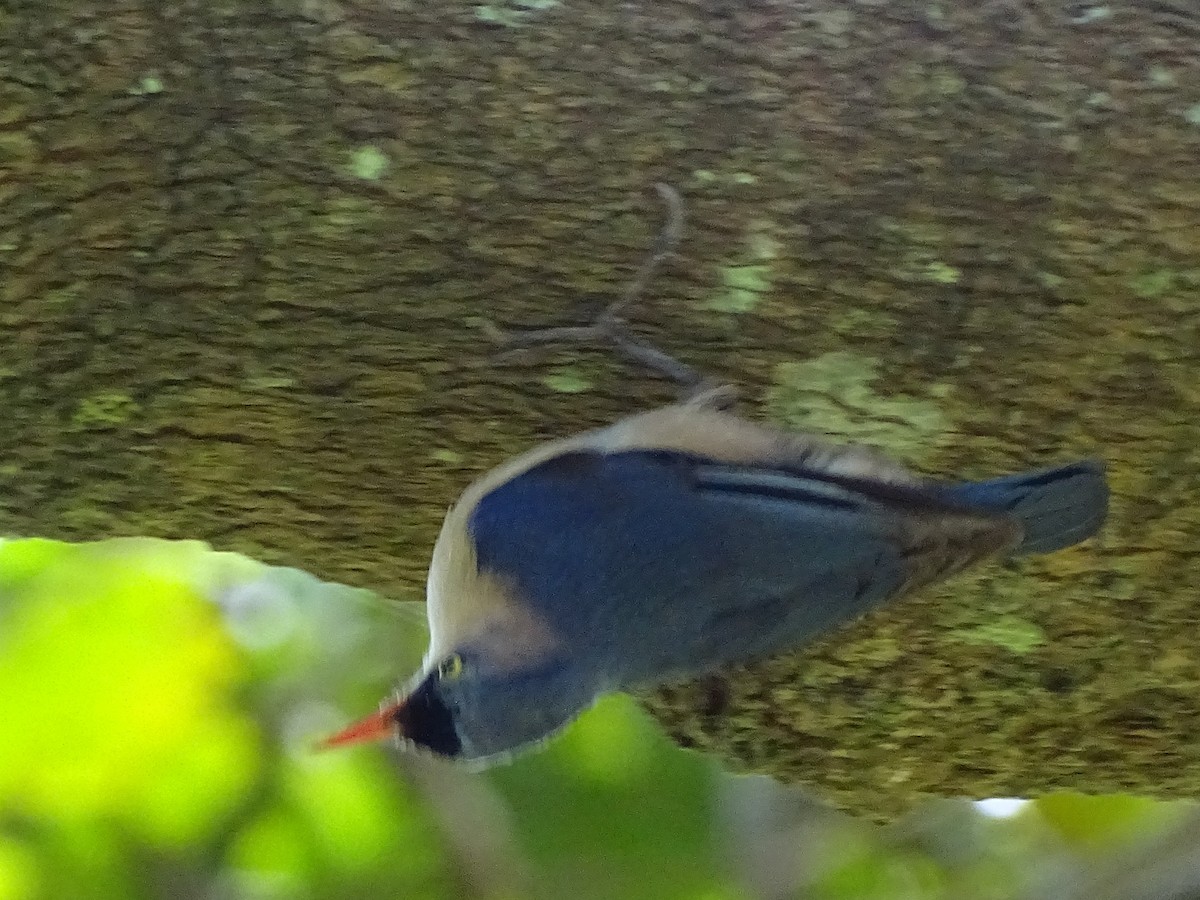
376,727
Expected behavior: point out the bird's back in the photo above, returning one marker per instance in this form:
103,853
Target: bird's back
662,562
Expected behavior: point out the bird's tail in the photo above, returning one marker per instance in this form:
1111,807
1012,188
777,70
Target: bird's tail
1058,507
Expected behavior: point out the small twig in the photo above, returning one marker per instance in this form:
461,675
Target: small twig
610,327
664,246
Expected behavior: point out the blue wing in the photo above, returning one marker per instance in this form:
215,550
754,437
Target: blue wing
671,563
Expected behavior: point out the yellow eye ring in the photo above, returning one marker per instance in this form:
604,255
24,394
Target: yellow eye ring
451,668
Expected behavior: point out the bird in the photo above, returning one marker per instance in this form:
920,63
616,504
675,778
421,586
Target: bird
675,542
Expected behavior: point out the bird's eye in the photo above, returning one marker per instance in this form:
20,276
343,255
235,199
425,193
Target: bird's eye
450,668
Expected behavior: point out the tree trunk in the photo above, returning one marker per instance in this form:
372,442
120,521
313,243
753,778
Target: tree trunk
247,249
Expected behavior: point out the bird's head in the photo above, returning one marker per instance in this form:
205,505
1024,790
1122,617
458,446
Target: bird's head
464,708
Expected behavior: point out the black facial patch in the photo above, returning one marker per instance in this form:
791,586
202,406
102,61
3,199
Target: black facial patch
425,720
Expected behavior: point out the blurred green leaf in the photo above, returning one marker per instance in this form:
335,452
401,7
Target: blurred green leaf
114,672
272,854
158,715
19,877
1094,822
343,799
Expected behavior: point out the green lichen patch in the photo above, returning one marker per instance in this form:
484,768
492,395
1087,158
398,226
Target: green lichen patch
746,280
268,381
739,177
917,245
1010,632
369,163
762,245
921,266
1161,77
17,149
835,394
345,217
64,296
862,323
1152,284
147,85
511,13
103,410
741,288
567,380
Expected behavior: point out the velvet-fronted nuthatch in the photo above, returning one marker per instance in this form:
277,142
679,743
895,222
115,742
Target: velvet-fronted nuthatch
675,542
678,541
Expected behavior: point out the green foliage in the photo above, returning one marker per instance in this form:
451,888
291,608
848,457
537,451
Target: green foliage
1100,822
156,724
160,707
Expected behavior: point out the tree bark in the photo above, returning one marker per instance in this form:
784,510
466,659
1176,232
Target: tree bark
247,248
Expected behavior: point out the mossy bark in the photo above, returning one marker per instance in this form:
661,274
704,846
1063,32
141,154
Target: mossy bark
246,248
